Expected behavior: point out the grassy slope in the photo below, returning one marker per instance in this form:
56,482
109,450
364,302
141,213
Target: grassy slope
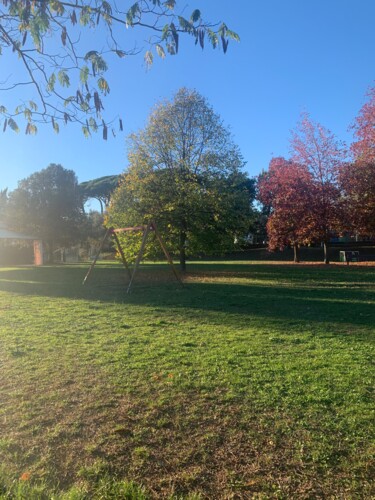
253,379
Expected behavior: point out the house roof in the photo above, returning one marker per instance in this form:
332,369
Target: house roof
8,234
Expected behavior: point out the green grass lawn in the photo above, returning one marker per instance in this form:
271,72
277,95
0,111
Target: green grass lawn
251,381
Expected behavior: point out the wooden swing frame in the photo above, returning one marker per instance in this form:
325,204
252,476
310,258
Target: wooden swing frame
146,231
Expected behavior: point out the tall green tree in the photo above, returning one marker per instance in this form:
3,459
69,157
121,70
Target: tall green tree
65,72
186,174
48,204
3,202
100,189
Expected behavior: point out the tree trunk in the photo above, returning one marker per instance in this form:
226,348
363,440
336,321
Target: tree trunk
182,251
101,206
326,257
296,253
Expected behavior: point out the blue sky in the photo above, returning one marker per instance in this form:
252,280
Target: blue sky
294,55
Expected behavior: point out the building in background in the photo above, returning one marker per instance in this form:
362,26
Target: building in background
18,248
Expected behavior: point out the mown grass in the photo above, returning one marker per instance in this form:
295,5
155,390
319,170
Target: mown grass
251,381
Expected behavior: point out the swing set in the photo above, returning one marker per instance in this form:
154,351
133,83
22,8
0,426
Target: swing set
150,227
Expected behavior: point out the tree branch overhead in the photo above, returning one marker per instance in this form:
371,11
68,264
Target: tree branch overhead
44,38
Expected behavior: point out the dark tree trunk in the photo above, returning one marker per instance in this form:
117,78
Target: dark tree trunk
101,206
182,251
326,249
296,253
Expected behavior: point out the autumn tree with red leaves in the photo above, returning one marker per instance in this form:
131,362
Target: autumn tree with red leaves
316,148
357,181
363,149
287,189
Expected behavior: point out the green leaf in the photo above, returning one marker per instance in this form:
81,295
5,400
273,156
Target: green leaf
131,14
160,51
103,86
107,7
57,7
39,25
212,36
107,18
33,105
174,36
68,101
64,35
13,125
98,63
170,4
164,33
27,113
171,49
85,16
222,29
97,103
51,83
93,124
55,126
73,18
185,25
3,109
105,130
86,131
195,16
84,106
149,58
63,78
232,35
84,74
31,129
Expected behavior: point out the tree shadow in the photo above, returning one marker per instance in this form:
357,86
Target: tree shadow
337,295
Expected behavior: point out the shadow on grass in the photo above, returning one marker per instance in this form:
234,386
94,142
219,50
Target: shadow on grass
343,295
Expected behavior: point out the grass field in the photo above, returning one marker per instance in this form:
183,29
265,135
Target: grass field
253,380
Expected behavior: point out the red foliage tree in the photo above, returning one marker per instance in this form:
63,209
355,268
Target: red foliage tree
315,147
357,182
288,190
364,148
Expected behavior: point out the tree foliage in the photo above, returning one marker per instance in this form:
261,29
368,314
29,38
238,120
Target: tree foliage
363,148
304,194
357,181
185,174
48,204
100,189
49,41
3,202
316,148
287,189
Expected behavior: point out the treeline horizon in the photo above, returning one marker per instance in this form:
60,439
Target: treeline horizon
325,189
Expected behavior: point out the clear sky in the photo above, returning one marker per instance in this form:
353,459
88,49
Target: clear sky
294,55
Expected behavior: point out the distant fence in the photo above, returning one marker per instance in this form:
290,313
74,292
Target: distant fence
314,253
